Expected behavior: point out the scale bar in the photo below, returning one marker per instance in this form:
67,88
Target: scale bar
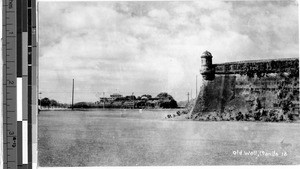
19,99
25,142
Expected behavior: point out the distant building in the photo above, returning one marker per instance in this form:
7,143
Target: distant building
112,97
115,96
106,99
144,98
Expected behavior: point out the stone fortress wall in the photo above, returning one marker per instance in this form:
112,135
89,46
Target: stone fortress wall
247,87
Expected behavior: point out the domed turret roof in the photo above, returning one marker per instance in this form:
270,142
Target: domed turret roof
206,54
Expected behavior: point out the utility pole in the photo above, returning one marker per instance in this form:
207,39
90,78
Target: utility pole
188,95
191,94
73,94
103,100
132,99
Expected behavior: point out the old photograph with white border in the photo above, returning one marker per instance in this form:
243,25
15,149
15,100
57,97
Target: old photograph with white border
168,83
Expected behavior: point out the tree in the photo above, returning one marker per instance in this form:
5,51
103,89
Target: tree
53,103
45,102
165,95
173,104
132,97
167,101
81,105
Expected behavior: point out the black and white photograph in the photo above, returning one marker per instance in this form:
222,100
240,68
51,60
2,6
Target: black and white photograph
168,83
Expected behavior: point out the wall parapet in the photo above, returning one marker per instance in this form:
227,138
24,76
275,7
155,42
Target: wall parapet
290,66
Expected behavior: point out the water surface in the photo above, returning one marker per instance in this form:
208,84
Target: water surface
144,137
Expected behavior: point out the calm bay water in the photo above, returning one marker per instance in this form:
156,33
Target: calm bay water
135,137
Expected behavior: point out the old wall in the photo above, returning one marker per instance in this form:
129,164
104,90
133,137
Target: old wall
249,91
214,94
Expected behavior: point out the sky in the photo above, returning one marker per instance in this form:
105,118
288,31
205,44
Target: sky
152,47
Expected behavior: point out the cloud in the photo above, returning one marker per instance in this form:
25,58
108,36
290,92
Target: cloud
150,47
159,14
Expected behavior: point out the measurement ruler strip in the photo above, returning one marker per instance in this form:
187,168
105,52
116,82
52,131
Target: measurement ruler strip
9,84
25,83
29,50
20,84
34,87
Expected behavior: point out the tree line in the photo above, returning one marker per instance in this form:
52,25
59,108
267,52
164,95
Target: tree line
162,100
51,103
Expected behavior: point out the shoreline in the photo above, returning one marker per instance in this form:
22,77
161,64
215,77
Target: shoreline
113,109
182,117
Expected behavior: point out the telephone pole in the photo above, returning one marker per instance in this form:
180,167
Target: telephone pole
132,99
73,94
103,100
188,95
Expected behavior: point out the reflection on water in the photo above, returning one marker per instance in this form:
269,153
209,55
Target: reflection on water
144,137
